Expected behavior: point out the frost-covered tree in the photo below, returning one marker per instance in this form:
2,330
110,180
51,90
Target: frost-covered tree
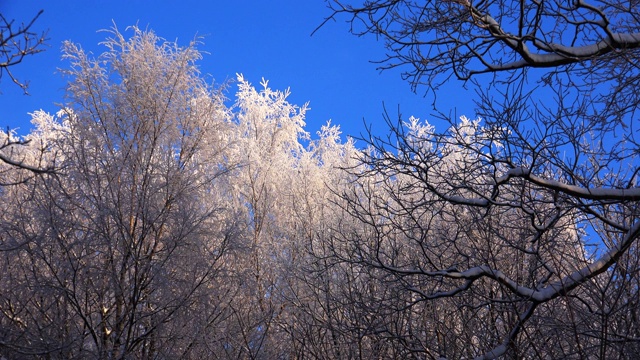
514,236
280,189
22,158
175,226
310,289
115,255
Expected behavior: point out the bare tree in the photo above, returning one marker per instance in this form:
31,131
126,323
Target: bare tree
440,39
522,227
17,42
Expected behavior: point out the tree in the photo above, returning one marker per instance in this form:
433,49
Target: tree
117,254
16,156
15,45
280,193
515,236
175,226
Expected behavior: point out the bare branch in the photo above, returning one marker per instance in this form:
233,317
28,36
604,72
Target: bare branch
16,43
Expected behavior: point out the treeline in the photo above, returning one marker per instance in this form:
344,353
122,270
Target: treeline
175,223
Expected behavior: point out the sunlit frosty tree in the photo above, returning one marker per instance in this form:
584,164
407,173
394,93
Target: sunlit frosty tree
174,226
280,188
110,257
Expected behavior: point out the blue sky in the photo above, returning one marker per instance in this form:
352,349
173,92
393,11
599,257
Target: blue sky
260,39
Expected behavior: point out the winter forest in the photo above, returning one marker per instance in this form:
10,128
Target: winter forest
158,215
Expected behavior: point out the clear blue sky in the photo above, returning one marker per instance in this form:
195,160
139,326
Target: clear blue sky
270,39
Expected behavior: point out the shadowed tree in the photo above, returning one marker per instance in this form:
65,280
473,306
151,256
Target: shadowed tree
17,42
515,235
